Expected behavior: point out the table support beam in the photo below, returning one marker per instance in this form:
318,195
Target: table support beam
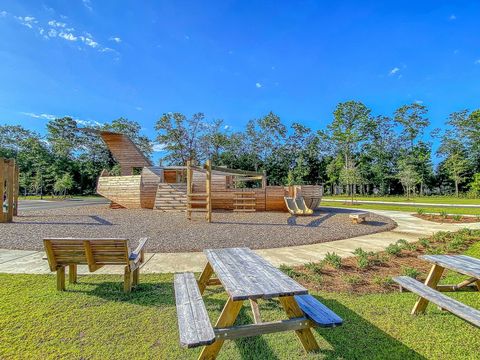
205,277
432,280
256,311
305,335
227,318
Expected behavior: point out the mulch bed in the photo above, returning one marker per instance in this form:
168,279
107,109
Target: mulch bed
172,232
447,219
376,278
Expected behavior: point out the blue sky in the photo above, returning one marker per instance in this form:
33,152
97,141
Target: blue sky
97,60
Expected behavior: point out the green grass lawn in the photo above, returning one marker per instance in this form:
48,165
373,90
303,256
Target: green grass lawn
416,199
410,209
95,320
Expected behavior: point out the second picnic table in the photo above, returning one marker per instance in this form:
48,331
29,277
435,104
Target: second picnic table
245,276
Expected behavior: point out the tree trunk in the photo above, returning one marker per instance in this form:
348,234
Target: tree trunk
456,188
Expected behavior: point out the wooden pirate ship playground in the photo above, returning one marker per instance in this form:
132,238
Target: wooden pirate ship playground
191,188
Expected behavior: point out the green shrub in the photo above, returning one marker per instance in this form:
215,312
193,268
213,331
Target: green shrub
420,211
425,242
290,271
393,249
412,272
457,217
333,260
443,214
315,268
352,279
441,236
457,243
363,262
360,252
384,281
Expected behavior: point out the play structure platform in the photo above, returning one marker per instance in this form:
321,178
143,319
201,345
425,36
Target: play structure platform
142,185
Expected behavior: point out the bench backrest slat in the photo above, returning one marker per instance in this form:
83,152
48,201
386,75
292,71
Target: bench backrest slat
92,252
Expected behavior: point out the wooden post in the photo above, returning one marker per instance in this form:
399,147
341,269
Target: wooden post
10,186
72,274
208,186
264,179
61,278
16,190
2,189
189,187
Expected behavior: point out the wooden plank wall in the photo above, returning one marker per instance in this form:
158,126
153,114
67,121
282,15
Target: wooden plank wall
219,182
123,190
151,177
125,152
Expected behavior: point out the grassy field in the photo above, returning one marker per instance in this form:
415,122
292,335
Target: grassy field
416,199
95,320
410,209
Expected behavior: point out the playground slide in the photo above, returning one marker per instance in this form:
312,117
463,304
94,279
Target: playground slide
300,201
292,206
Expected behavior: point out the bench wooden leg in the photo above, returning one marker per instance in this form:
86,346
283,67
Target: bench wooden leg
204,277
305,335
227,318
61,278
478,284
72,274
432,280
127,280
136,277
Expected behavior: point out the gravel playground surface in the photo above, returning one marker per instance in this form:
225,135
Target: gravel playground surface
172,232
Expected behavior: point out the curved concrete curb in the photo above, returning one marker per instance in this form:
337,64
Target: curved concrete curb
409,228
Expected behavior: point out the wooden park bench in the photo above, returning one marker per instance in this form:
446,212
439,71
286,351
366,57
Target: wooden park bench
95,253
246,277
431,291
359,217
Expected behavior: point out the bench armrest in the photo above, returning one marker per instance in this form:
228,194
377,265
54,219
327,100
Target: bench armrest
137,254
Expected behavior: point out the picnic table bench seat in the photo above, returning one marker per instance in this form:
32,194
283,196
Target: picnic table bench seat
457,308
317,312
194,325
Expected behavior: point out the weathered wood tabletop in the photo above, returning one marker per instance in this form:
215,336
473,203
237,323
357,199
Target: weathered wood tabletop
245,275
462,264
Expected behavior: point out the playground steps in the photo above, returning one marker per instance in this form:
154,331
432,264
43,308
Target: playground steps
244,201
171,197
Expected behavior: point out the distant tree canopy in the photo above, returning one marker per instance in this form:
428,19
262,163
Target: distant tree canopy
356,152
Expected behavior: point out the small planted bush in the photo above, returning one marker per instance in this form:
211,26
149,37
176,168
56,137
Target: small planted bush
412,272
457,217
334,260
315,268
425,242
290,271
443,214
393,249
420,211
384,281
352,279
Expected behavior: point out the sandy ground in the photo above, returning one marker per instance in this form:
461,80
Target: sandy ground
172,232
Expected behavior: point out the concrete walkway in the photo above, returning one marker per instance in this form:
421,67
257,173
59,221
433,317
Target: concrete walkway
409,228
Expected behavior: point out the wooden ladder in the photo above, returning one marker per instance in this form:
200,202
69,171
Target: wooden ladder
199,202
244,201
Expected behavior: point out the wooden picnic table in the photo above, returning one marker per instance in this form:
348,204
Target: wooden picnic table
465,265
245,276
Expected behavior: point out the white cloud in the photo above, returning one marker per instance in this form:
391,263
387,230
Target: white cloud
56,23
89,41
52,33
418,102
187,37
87,4
139,108
87,122
227,127
258,85
158,147
116,39
68,36
3,13
27,21
394,71
477,62
452,17
456,51
40,116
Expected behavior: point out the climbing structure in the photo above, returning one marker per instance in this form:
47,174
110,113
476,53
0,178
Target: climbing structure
191,188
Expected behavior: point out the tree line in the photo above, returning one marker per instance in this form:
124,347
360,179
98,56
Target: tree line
357,152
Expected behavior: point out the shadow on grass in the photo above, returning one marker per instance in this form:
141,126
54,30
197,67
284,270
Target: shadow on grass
358,338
